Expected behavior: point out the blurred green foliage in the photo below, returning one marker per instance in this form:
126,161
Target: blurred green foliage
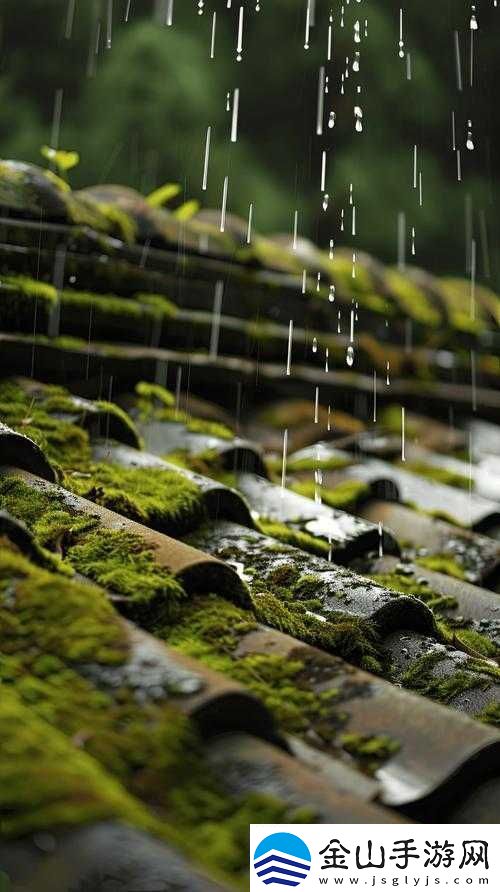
137,112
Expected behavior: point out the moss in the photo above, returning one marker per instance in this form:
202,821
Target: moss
46,782
119,561
370,750
412,300
346,495
346,636
456,295
290,536
390,420
469,640
210,630
162,499
440,475
155,402
113,558
152,398
20,295
490,715
420,677
209,428
63,442
77,751
408,585
70,620
442,563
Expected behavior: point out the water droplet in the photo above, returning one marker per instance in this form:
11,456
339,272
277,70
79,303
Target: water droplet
355,63
330,253
228,101
358,117
350,356
387,380
318,280
331,293
315,345
201,5
357,32
469,142
326,199
473,20
331,120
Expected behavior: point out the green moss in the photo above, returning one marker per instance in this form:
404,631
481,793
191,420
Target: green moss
113,558
412,300
345,636
408,585
440,475
209,428
151,397
63,442
70,620
287,534
346,495
442,563
490,715
119,561
370,750
420,677
468,639
211,629
46,782
162,499
333,463
141,307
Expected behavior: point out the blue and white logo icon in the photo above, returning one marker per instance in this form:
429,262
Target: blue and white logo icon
282,859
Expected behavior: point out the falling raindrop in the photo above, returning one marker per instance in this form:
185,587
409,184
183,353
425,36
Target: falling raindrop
328,424
212,41
331,293
358,117
353,275
388,368
473,20
330,253
315,345
290,342
327,80
338,323
228,101
326,199
342,220
470,142
357,32
366,27
316,406
342,17
331,120
355,63
201,6
283,464
350,355
401,42
257,6
413,241
380,539
326,360
239,45
318,281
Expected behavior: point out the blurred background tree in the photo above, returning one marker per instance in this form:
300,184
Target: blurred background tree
137,112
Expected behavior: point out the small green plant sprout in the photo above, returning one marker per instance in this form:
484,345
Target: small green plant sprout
62,160
187,210
163,195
